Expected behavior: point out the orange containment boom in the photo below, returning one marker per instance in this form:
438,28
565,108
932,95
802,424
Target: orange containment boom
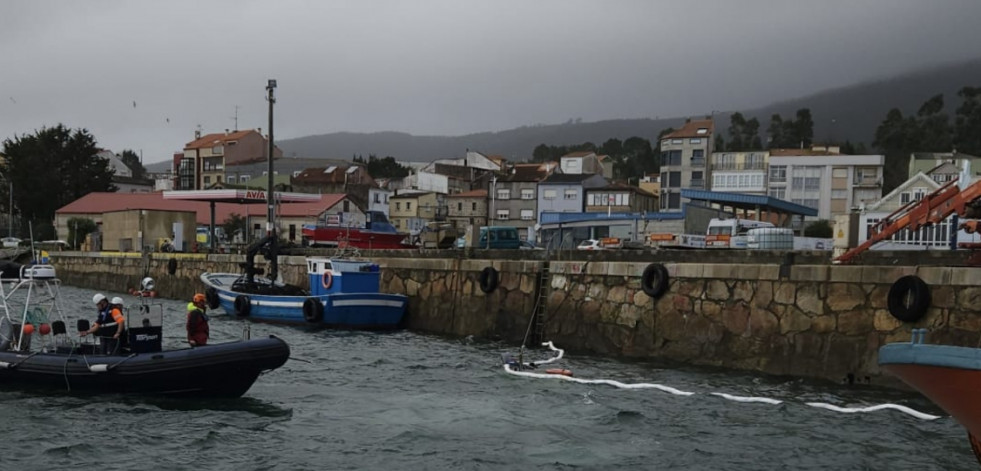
934,208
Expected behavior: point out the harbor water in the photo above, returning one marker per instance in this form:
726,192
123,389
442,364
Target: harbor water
403,400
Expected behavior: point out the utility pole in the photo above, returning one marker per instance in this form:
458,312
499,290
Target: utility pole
270,228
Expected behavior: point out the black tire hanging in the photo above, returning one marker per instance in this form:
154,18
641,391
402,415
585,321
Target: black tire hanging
172,266
489,278
313,310
909,298
654,281
211,295
243,305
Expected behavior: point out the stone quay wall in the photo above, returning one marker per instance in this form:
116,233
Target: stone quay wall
820,321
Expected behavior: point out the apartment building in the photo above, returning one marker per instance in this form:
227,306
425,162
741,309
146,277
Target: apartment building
566,193
824,180
684,155
620,198
409,211
739,172
943,167
204,159
467,209
514,195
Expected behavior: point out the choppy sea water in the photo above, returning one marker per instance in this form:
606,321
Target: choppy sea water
355,400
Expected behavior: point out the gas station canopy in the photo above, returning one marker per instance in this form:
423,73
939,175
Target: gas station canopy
239,196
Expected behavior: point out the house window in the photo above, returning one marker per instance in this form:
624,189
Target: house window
347,206
217,150
398,206
527,214
474,206
918,193
778,174
549,194
244,178
504,194
207,180
904,197
231,179
778,193
459,207
408,206
694,140
528,194
571,194
503,214
677,141
377,198
674,179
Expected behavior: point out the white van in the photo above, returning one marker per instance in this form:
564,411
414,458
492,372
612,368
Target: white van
731,232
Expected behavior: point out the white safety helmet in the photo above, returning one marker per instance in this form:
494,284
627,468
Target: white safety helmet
98,298
147,284
117,300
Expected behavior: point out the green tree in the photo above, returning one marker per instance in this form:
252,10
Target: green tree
53,167
774,133
132,160
804,128
737,124
820,228
387,167
967,121
894,138
234,223
932,132
751,135
78,229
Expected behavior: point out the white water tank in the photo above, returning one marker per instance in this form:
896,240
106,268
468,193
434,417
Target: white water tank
770,238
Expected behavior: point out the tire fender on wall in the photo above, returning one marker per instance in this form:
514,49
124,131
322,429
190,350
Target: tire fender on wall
489,278
654,282
909,298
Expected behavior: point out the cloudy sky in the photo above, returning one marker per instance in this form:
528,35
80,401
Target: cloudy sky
441,67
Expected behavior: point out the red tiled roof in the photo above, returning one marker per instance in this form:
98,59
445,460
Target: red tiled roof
470,194
690,129
209,140
316,175
99,202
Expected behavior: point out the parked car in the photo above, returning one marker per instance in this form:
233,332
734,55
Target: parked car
10,242
590,244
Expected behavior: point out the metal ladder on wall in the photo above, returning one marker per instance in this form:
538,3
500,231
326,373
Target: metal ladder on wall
541,303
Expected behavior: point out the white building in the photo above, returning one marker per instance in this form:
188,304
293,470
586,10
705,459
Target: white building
740,172
829,182
936,236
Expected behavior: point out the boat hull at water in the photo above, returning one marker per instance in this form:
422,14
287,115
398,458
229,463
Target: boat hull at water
947,375
365,311
335,236
221,370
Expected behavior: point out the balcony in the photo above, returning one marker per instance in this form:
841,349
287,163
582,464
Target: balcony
874,181
738,166
695,162
699,183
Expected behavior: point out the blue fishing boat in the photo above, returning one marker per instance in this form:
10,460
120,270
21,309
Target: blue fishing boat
343,293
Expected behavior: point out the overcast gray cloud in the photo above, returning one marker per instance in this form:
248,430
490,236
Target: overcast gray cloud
441,67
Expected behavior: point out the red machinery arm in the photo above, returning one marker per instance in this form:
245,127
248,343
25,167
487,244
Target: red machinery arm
935,207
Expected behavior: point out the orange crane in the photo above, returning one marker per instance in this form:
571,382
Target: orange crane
945,201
